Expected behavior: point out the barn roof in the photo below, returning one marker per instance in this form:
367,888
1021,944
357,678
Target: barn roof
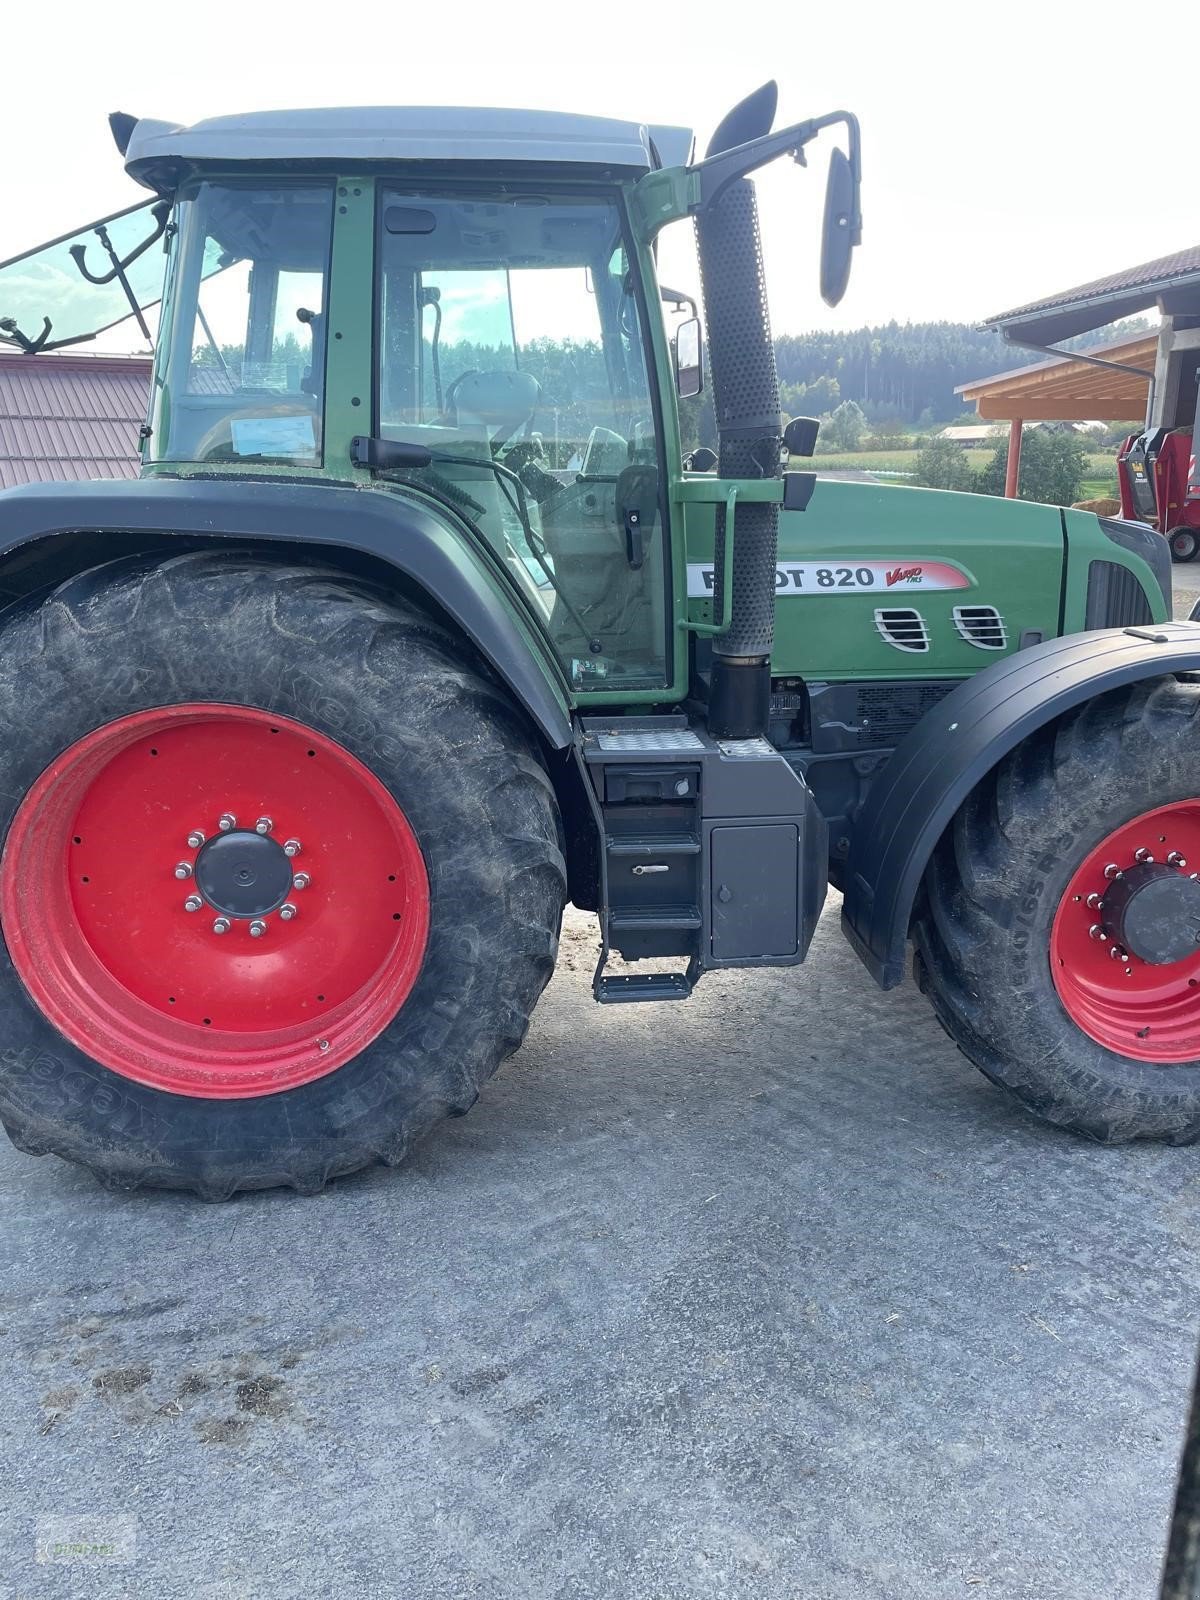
70,416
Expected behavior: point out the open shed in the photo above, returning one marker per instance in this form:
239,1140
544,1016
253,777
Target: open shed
1154,376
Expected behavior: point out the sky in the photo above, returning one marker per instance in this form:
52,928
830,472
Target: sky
1007,150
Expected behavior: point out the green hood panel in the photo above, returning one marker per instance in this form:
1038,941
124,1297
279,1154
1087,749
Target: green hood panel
863,548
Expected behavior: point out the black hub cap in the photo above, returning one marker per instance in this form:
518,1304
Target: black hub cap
243,874
1154,913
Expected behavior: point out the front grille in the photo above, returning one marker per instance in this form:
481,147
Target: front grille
1115,598
982,626
903,628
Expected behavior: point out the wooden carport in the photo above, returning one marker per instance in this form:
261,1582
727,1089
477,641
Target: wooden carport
1100,387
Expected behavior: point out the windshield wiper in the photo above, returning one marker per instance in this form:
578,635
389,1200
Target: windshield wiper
395,456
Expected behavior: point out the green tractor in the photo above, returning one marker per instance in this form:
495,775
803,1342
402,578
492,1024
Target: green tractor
418,622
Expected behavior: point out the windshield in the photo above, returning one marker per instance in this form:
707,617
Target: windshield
242,354
511,337
50,296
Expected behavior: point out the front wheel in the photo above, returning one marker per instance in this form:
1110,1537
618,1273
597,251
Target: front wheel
1060,919
281,877
1185,543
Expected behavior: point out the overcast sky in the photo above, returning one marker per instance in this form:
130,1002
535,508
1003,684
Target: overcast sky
1008,151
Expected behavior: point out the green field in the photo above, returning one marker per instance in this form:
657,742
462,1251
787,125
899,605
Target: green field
1101,476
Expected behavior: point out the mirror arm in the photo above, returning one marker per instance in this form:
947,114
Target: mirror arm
719,171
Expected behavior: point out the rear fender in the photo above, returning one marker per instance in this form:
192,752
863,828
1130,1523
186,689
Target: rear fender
935,767
423,551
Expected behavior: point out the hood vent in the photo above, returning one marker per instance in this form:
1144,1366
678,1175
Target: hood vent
982,626
903,628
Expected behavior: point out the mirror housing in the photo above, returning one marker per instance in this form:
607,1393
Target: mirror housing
689,359
837,233
702,459
800,436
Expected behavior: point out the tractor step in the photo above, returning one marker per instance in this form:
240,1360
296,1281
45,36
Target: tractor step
641,919
622,989
650,844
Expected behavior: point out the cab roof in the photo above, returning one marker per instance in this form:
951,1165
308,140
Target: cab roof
159,154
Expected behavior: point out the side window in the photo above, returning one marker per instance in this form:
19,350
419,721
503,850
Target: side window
245,361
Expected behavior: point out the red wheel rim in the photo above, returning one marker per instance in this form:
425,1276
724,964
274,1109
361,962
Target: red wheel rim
1139,1009
93,890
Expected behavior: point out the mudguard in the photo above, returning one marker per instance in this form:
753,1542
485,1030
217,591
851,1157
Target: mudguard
401,532
936,766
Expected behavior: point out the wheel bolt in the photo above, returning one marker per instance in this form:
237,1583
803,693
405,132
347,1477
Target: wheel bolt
195,839
263,825
1142,855
287,911
301,881
221,925
1097,932
1176,860
257,928
291,847
1094,901
1112,870
1118,954
192,903
226,821
183,869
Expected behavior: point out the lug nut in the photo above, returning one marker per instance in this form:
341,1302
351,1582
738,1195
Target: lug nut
1096,931
1112,870
1118,954
1176,860
183,869
1094,902
1142,855
226,821
301,881
257,928
291,847
221,925
192,903
195,839
263,825
287,911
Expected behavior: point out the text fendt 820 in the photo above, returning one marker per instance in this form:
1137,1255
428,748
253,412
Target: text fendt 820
418,623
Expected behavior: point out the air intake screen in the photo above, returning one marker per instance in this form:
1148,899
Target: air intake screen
903,628
1115,598
982,626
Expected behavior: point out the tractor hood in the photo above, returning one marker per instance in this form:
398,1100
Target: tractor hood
160,154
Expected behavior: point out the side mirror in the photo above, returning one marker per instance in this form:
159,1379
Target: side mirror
689,359
837,235
702,459
800,436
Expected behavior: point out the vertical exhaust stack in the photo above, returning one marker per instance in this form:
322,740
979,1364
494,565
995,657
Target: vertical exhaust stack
749,428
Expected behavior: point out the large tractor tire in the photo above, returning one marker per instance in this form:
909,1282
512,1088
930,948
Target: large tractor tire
281,881
1058,931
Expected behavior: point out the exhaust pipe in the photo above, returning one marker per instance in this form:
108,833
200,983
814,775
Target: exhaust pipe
749,429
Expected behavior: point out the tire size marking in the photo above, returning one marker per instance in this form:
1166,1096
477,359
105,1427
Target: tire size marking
847,577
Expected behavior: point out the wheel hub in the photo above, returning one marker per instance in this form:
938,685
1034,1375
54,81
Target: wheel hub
1125,940
243,874
196,953
1153,912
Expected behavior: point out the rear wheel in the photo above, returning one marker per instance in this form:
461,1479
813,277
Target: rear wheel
1184,542
1058,931
281,878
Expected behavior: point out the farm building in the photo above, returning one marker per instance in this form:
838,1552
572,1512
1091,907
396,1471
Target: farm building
70,416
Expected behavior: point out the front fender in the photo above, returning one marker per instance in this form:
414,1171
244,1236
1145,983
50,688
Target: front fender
404,533
935,767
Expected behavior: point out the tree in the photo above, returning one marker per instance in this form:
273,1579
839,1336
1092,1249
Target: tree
1053,465
943,464
846,426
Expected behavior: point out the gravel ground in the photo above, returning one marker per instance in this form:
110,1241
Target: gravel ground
764,1295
